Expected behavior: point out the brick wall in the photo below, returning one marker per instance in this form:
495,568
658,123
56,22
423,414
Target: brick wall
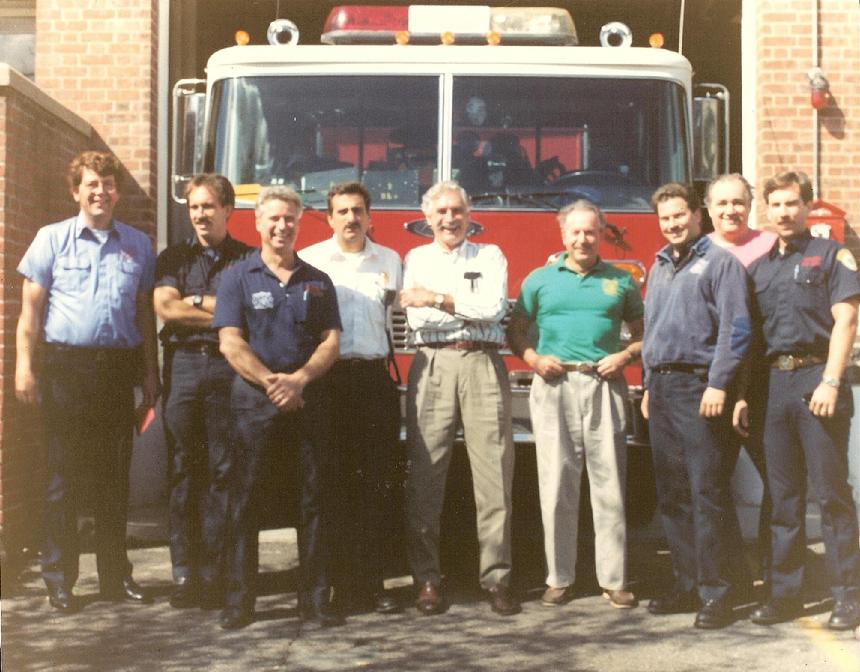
38,138
98,58
786,133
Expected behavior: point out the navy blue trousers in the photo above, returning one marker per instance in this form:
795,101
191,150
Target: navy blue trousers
799,445
694,458
197,420
260,432
88,413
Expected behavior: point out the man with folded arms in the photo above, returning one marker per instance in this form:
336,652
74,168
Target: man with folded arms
578,398
455,296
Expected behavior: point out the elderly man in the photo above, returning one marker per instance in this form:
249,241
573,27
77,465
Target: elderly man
197,382
279,329
86,314
697,333
366,276
577,399
455,296
808,292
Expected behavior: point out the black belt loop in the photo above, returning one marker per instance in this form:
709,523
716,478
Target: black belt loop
697,369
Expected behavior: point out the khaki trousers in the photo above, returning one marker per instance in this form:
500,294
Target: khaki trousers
446,386
577,417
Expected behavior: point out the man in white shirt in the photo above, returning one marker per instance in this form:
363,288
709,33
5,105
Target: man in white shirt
455,296
366,426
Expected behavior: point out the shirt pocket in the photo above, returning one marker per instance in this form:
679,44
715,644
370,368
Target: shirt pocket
811,287
129,276
72,274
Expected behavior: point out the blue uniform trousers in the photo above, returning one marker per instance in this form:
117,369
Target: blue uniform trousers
694,458
88,412
197,419
797,444
261,431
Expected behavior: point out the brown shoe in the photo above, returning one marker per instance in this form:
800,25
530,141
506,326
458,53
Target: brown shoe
555,597
621,599
430,600
502,601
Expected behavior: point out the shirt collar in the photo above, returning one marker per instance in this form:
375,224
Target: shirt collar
457,251
256,263
196,245
796,244
333,250
561,265
700,246
81,226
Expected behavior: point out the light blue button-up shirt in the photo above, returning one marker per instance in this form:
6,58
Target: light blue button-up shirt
92,285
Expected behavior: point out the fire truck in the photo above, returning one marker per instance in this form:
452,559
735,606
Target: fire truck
501,99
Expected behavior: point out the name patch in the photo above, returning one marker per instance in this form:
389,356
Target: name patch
262,300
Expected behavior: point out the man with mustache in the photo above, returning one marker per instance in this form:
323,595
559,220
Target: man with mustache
455,296
577,399
366,427
85,338
697,333
808,292
197,382
279,329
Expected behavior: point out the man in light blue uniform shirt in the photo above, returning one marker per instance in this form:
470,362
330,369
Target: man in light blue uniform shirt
85,337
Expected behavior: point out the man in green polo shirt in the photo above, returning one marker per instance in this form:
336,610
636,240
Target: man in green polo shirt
577,399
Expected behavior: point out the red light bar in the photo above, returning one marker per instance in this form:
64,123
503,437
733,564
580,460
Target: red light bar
373,24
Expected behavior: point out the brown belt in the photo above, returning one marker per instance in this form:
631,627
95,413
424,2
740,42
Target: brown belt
468,346
580,367
792,362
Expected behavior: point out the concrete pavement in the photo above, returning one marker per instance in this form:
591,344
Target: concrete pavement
585,635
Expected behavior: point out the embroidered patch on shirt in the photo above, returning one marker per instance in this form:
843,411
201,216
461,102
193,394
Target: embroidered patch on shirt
262,300
807,262
699,267
610,287
847,259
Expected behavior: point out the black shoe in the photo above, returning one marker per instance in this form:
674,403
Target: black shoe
714,614
323,615
235,618
776,611
674,603
62,600
383,603
185,594
845,615
502,601
127,590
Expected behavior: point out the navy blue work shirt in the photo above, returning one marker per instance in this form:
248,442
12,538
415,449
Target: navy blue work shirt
796,289
697,312
192,268
282,323
92,283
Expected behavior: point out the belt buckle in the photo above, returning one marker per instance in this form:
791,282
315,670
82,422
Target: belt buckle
787,363
583,367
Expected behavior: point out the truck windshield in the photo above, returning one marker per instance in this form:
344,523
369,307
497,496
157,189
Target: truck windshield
518,142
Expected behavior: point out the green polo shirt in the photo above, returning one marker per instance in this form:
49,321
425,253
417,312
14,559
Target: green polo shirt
579,316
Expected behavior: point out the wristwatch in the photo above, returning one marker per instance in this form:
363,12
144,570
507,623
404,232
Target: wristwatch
829,380
438,301
197,301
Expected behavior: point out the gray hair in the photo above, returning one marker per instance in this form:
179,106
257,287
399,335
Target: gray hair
581,205
440,188
729,177
278,192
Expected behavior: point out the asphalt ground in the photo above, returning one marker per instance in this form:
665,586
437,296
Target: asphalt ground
586,634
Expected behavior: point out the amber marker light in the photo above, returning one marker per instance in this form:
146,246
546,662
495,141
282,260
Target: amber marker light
242,38
447,38
494,39
656,40
401,37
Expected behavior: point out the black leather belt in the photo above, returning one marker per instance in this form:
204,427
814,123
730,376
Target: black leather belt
673,367
789,362
86,353
580,367
468,346
359,363
203,348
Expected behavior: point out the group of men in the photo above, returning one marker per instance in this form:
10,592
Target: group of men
270,353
